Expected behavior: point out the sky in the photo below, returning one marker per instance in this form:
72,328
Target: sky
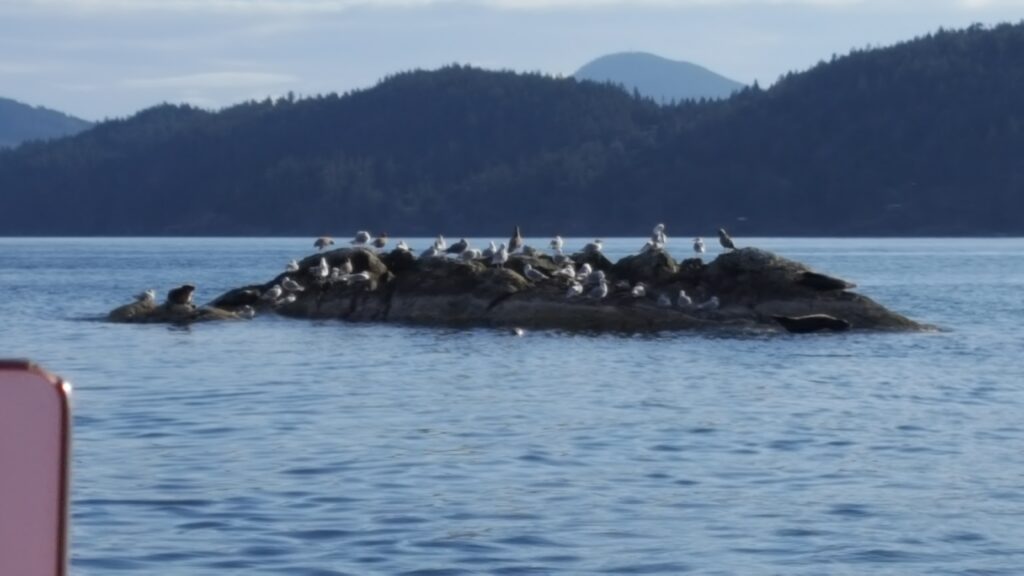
100,59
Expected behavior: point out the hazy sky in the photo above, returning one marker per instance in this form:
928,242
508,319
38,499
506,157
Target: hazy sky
110,58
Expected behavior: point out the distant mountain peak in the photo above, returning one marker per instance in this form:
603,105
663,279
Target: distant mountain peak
658,77
20,122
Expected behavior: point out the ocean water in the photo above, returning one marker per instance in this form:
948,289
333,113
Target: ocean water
281,446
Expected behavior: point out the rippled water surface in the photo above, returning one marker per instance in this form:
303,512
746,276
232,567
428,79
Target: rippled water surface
292,447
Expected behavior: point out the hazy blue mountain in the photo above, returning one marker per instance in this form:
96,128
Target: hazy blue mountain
659,78
20,122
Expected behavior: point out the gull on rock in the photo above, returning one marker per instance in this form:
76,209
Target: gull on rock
458,248
323,242
575,289
593,248
664,301
516,241
471,254
725,240
362,237
380,241
432,252
500,257
557,243
658,238
684,301
358,277
698,245
600,291
533,274
639,291
402,246
440,243
584,272
273,293
292,266
490,251
291,285
710,304
148,296
321,270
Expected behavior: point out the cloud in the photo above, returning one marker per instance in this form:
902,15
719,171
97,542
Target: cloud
322,6
212,80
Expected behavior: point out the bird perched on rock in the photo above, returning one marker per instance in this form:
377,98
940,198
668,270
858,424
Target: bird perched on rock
291,285
556,244
321,270
698,245
346,266
458,248
595,277
380,241
658,238
288,299
664,301
182,295
583,275
247,312
684,301
530,251
149,296
725,240
516,241
639,291
575,289
490,250
600,291
567,270
323,242
432,252
500,257
272,293
533,274
471,254
362,237
403,247
440,243
710,304
358,277
292,266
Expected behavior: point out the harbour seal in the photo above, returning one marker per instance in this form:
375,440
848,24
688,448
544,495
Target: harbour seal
182,295
812,323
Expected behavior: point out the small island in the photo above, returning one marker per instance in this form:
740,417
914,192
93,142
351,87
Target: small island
740,289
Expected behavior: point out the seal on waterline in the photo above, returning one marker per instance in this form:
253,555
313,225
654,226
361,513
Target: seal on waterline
812,323
181,296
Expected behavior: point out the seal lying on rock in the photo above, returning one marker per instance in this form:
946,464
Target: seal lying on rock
812,323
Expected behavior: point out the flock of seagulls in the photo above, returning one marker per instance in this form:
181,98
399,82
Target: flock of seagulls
583,282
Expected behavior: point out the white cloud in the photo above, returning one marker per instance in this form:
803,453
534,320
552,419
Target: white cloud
212,80
322,6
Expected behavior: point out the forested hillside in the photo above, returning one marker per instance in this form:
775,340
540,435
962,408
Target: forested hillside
20,122
924,137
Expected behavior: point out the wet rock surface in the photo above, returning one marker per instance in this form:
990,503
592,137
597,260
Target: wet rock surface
741,289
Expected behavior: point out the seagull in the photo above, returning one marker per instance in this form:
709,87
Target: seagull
292,266
291,285
684,300
516,241
593,247
432,252
440,244
711,304
321,270
658,237
664,301
530,251
557,243
288,299
639,291
458,248
575,289
346,266
600,291
725,240
323,242
517,331
149,296
490,250
560,258
471,254
533,274
402,246
584,272
363,276
567,270
698,245
500,257
272,293
380,241
247,312
595,277
362,237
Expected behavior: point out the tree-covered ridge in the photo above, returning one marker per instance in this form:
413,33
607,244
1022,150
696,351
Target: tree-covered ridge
919,138
21,122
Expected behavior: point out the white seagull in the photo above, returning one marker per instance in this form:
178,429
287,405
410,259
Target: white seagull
639,291
440,243
490,251
684,301
321,270
292,266
600,291
575,289
698,245
148,296
725,240
362,237
500,257
291,285
323,242
557,243
593,247
402,246
272,293
711,304
533,274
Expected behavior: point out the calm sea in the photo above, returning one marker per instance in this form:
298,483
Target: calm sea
306,448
